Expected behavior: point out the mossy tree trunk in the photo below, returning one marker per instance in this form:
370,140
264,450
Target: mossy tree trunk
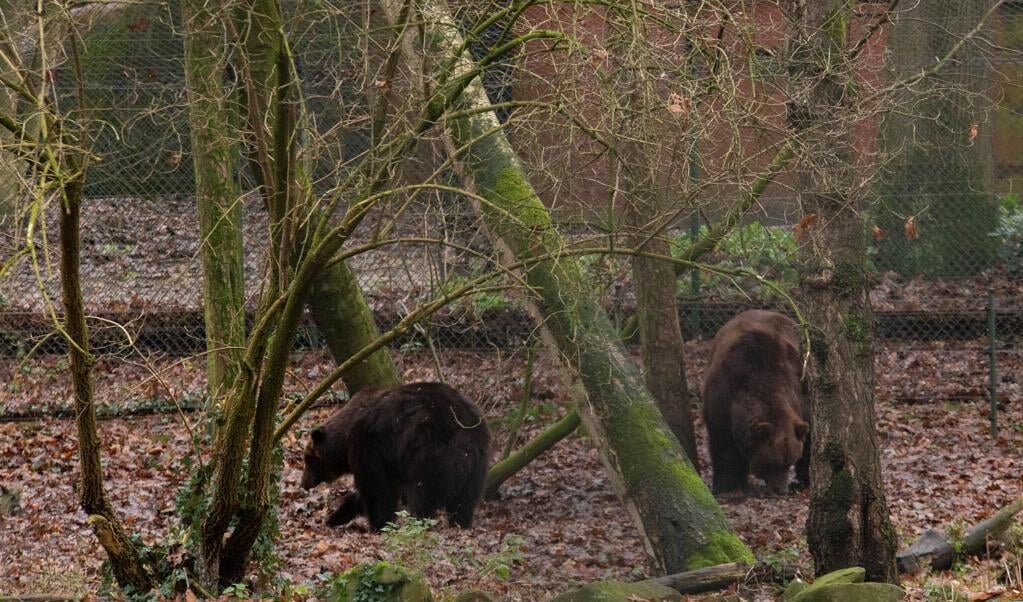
514,462
241,493
679,521
636,172
660,338
9,162
336,303
218,200
848,522
346,323
302,247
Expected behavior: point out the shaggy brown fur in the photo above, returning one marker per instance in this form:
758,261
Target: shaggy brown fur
755,404
423,443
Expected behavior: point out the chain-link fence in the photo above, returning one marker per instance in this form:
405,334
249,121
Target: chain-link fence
947,227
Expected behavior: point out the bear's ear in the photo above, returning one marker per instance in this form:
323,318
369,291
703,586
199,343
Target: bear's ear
761,431
802,430
319,434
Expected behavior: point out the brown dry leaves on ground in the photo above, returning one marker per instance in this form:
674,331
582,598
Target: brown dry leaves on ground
941,467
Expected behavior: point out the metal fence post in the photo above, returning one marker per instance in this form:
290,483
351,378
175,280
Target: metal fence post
992,362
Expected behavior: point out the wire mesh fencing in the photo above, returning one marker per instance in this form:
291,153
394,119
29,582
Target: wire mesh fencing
945,230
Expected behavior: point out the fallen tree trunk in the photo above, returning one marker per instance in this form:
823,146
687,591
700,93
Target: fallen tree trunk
934,550
713,578
506,468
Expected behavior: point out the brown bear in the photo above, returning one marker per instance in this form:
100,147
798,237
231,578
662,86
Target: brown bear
755,403
424,444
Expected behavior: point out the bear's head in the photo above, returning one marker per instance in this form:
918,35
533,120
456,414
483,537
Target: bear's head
326,458
773,448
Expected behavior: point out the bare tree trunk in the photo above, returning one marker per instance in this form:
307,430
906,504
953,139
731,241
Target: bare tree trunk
299,263
848,522
635,163
124,559
720,229
679,521
217,196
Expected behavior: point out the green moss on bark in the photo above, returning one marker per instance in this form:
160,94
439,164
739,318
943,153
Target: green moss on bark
847,278
859,331
721,547
836,502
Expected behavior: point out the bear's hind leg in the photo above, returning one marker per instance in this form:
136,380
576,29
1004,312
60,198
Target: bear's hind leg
351,507
461,506
380,495
803,467
422,500
381,508
731,469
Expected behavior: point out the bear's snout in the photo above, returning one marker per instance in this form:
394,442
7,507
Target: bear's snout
777,483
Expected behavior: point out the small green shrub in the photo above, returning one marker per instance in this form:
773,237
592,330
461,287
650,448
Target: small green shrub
476,302
956,534
756,247
1010,233
377,582
411,541
944,592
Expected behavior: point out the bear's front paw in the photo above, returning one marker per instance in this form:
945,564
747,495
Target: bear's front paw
339,518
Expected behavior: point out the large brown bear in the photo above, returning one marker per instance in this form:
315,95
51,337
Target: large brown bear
754,403
422,443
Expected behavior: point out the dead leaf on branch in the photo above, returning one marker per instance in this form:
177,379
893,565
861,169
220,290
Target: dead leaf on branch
800,229
141,24
911,232
677,103
878,233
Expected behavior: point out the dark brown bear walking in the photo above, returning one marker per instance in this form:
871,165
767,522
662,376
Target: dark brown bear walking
754,403
423,443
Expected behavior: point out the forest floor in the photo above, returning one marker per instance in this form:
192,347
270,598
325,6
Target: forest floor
558,523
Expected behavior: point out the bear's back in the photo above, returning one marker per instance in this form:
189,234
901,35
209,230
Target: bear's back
424,415
755,351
